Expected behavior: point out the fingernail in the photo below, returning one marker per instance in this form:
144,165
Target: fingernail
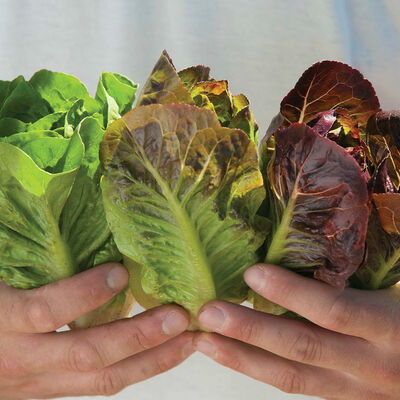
117,278
207,348
174,323
187,349
212,318
256,278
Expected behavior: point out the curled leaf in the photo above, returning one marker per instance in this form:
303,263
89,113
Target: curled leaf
192,75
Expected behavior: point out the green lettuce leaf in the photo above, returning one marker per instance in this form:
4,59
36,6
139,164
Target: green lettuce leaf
59,90
181,195
117,93
33,252
83,224
23,103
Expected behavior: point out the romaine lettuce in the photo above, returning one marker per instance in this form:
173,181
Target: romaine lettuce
52,223
181,195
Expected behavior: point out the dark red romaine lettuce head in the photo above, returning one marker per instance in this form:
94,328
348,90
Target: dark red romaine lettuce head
319,206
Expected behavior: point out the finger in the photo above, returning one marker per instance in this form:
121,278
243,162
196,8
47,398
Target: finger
291,339
288,376
110,380
350,311
52,306
96,348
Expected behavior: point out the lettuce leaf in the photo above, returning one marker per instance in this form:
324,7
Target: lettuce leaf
33,252
381,268
193,85
336,101
181,195
328,85
319,207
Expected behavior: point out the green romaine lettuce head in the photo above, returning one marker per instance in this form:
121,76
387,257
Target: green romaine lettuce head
181,195
53,223
193,85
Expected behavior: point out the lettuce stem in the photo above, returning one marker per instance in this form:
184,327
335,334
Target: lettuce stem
383,271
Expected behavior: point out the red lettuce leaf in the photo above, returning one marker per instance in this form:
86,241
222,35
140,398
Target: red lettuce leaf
319,205
381,268
383,132
329,85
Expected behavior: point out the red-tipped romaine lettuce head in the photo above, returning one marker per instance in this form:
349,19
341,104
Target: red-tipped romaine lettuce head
319,206
52,220
181,195
194,86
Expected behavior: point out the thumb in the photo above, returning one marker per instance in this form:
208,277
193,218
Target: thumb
50,307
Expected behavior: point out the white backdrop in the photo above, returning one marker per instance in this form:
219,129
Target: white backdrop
260,46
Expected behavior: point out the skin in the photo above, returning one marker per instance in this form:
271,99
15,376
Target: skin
37,363
349,347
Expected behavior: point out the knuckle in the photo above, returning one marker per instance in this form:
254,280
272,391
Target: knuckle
108,382
10,368
84,357
231,360
40,316
140,340
388,372
249,331
92,295
281,288
30,387
290,381
163,364
306,347
341,314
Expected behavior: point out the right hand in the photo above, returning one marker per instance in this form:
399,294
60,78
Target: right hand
37,362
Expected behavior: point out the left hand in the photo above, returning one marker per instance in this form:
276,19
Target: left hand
349,350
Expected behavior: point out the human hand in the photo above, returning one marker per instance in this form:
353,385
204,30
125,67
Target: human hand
350,349
36,362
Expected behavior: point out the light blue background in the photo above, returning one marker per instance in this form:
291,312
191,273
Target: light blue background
260,46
